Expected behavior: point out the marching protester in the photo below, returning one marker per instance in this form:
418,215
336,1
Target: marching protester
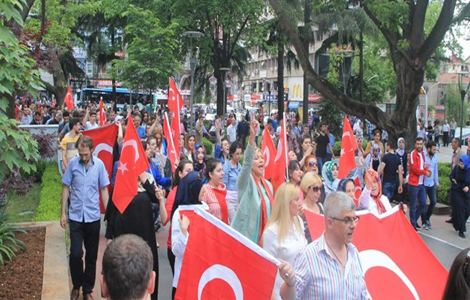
330,267
371,197
222,147
311,186
214,192
377,133
284,234
255,193
373,159
392,173
295,173
431,183
330,176
460,194
189,145
68,143
323,142
232,169
200,158
347,185
306,149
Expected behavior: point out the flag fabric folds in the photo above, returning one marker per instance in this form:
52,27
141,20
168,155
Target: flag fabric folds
220,263
269,153
173,154
280,161
392,255
103,140
102,113
69,99
347,160
132,163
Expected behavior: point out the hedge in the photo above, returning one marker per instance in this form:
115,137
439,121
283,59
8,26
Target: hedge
208,145
337,147
443,169
51,190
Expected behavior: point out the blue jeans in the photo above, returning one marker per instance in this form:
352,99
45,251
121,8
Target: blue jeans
431,193
417,202
388,188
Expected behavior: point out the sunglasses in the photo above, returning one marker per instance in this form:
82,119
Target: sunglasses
312,163
315,188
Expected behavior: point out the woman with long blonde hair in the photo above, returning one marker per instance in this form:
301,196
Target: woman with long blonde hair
284,234
311,186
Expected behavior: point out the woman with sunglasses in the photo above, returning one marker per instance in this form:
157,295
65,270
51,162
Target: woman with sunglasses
371,197
284,234
255,194
311,186
310,164
215,192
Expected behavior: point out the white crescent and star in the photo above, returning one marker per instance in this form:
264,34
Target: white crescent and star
123,167
102,147
224,273
375,258
267,158
131,143
279,151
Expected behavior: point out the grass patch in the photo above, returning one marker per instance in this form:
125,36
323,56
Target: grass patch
21,208
51,190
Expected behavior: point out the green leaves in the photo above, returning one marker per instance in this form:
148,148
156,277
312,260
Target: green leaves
10,9
9,244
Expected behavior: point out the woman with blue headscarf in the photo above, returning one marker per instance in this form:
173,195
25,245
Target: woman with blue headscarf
460,193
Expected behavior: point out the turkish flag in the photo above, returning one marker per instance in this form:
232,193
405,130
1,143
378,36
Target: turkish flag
102,113
173,155
132,163
347,160
267,146
357,190
103,140
392,255
175,100
220,263
69,99
280,162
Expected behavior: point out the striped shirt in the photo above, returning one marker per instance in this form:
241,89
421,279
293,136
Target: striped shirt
319,275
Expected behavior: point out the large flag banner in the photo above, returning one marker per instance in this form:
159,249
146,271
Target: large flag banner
396,262
220,263
104,139
280,161
69,99
269,153
102,113
347,160
132,163
173,155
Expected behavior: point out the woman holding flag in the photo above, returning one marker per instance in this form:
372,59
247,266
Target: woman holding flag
255,194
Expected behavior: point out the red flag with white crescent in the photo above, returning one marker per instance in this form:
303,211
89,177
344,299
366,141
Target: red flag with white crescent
357,190
132,163
347,160
103,140
175,100
269,154
392,251
221,263
173,155
102,113
280,161
69,99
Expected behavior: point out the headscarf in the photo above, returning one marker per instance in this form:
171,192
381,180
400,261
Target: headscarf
188,191
140,186
380,206
327,174
401,151
343,183
466,161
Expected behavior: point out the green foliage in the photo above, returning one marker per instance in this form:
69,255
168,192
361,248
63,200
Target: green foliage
453,102
337,148
444,171
208,145
22,208
49,208
9,244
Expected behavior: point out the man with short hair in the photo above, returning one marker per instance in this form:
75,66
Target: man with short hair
65,121
68,143
323,142
37,119
243,130
92,123
456,153
232,130
418,170
430,183
84,179
445,131
453,127
329,268
112,117
56,120
141,129
127,269
392,171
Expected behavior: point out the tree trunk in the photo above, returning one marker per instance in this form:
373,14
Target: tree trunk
280,76
306,42
220,93
59,89
113,71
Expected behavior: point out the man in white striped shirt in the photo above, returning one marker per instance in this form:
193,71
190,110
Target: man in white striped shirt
330,267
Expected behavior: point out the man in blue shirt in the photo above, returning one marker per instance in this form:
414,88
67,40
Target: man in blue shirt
141,130
84,179
430,183
232,169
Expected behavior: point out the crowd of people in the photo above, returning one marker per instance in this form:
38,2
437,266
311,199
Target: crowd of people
231,185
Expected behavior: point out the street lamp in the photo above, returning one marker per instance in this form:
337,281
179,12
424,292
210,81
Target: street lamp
463,92
224,102
192,65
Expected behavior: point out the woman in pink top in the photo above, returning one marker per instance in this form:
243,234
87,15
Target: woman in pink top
214,192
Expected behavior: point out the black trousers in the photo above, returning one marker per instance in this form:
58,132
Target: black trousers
446,138
171,260
87,234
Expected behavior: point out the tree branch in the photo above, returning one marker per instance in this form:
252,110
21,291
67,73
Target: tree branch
390,36
417,24
329,91
463,15
437,34
235,40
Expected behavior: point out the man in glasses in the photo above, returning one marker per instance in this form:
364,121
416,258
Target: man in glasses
329,268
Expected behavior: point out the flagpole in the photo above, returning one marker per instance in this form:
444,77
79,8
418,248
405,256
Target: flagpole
285,144
169,128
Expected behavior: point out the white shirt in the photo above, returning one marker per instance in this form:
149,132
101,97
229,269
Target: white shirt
366,202
290,248
231,133
445,127
91,126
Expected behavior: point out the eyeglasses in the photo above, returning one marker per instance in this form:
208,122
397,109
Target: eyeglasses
312,163
315,188
348,220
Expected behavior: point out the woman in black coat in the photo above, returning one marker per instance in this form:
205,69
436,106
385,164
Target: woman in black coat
460,193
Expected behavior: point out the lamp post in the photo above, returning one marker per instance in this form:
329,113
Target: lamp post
426,102
463,92
224,102
192,66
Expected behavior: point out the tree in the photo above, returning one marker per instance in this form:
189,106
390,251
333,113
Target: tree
453,103
17,76
401,23
225,24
